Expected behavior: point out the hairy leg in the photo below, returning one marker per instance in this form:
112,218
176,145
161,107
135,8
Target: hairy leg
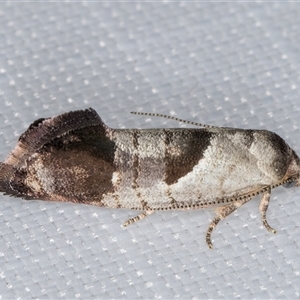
138,217
223,212
263,207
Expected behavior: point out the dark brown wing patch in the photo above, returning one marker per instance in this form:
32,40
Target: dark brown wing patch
184,149
72,150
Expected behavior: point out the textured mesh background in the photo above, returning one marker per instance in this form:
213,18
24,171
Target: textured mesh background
230,64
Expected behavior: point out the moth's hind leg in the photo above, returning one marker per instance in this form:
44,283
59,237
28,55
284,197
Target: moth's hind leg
223,212
138,217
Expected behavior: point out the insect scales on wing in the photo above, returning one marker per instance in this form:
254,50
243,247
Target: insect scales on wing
75,157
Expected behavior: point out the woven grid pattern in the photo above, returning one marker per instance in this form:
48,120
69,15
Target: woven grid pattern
229,64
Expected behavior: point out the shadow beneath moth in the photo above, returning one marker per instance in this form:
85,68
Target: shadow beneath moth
75,157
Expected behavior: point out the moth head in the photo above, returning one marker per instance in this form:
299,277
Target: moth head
293,171
291,184
296,183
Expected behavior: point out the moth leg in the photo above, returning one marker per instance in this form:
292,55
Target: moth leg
223,212
138,217
263,207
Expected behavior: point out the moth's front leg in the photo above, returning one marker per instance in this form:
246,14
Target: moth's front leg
263,207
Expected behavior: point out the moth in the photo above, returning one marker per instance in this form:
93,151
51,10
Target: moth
75,157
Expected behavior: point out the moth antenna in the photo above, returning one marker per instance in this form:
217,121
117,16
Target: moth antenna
173,118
